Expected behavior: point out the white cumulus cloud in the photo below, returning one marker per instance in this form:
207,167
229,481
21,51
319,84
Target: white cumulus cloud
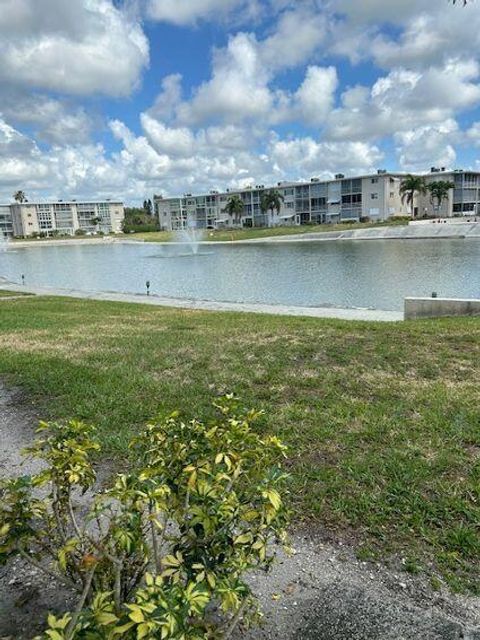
77,47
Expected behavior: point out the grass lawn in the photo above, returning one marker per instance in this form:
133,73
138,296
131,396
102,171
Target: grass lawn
382,420
248,234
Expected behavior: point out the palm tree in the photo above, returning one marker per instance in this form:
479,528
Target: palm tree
234,208
411,185
19,196
95,222
438,193
271,200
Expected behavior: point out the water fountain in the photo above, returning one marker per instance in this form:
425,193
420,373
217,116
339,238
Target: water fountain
190,236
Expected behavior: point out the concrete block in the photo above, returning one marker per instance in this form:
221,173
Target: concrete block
416,308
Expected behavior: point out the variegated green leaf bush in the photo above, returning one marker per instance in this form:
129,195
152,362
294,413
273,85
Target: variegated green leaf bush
164,551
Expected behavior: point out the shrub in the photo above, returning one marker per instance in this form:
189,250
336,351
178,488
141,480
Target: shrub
399,219
80,232
163,552
140,228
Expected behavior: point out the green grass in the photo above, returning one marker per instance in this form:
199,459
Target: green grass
6,294
249,234
382,420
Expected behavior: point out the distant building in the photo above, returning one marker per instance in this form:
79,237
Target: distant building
6,221
375,197
61,218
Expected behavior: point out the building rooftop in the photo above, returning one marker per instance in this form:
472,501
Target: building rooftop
37,202
287,184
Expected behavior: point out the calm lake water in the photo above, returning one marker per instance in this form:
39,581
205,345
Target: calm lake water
376,274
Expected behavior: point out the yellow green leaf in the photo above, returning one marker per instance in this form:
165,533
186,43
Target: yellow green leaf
106,618
142,631
137,615
125,627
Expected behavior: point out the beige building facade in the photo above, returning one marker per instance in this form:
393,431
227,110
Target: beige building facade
61,218
374,197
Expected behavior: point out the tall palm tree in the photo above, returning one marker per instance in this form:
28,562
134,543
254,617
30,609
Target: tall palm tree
411,185
439,191
19,196
271,200
234,208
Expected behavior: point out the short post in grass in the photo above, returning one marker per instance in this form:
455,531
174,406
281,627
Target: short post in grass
147,284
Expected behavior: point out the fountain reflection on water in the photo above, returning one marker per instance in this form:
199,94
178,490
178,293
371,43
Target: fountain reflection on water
4,241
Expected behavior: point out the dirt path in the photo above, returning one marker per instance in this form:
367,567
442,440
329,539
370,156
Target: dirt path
321,593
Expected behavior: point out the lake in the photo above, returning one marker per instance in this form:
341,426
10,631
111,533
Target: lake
368,274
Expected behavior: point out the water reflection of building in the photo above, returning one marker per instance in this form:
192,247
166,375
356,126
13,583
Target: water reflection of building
375,197
61,218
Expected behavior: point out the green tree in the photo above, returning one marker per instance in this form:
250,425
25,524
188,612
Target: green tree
148,207
439,191
234,208
19,196
138,220
412,185
95,222
271,201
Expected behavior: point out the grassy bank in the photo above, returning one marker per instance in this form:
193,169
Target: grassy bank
382,420
250,234
7,294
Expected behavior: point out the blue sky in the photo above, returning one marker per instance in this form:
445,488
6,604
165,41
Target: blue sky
103,98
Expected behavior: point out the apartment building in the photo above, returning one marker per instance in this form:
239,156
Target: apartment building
6,221
61,218
463,199
375,196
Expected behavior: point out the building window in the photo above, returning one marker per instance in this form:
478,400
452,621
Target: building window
392,194
374,196
374,180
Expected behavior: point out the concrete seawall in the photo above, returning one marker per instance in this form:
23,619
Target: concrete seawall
421,232
416,308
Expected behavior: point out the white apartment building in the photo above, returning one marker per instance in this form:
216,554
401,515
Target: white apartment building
61,218
375,197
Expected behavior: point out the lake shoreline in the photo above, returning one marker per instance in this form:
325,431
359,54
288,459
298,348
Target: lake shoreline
422,232
338,313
